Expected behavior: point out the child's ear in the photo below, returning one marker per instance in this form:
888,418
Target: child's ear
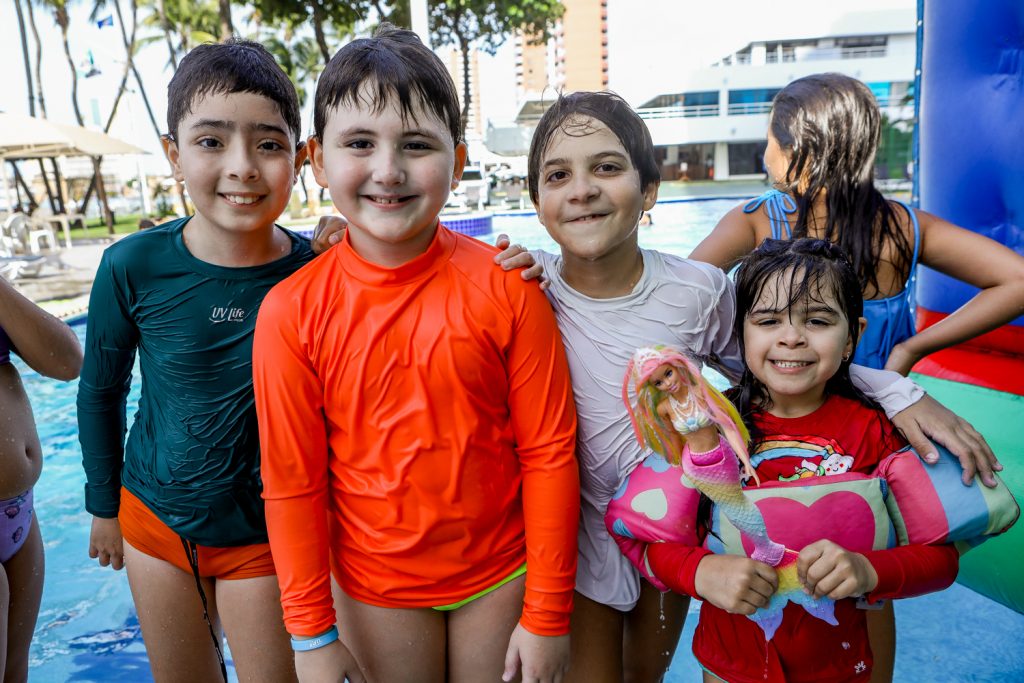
171,152
651,195
461,153
300,158
315,151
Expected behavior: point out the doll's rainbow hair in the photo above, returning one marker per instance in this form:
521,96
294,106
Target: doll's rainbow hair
649,427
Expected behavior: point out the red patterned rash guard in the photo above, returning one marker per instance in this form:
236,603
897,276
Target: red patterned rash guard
843,435
417,430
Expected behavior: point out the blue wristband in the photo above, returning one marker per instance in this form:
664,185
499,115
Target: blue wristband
315,643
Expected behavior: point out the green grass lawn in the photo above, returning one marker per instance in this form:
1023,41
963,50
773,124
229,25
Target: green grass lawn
95,228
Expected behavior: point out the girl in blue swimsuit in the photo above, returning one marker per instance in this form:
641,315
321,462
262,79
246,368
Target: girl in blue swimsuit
823,134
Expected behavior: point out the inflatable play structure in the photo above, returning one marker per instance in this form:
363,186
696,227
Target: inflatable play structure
970,171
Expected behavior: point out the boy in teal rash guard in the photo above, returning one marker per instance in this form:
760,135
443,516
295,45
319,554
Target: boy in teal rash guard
185,489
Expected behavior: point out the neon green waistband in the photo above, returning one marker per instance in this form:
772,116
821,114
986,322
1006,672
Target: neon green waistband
456,605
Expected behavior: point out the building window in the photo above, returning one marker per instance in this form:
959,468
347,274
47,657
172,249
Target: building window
746,158
756,101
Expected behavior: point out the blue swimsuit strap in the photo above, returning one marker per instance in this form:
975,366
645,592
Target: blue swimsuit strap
917,242
777,205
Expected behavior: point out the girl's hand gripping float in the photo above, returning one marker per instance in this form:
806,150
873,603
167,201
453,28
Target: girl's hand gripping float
679,415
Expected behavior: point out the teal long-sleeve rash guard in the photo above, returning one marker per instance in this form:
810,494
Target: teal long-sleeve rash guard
192,455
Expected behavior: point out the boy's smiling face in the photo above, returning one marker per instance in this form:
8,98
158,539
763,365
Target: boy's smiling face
388,176
236,155
589,191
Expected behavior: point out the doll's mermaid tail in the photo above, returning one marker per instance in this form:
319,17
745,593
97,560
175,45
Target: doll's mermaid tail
716,474
790,590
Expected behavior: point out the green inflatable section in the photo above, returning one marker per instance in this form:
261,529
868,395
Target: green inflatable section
995,568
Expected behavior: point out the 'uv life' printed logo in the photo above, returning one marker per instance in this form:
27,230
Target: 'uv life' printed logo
226,314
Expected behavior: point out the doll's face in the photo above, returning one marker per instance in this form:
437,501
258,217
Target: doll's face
667,378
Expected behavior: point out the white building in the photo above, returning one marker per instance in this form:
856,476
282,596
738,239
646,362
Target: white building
710,122
713,124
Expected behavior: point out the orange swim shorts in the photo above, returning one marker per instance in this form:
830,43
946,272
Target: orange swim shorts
146,533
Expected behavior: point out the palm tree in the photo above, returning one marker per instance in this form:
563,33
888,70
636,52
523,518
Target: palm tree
183,24
60,17
24,54
38,59
227,29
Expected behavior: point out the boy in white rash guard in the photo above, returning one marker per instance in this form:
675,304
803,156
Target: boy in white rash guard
592,172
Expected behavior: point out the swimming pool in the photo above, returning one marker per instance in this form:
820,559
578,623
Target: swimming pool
87,629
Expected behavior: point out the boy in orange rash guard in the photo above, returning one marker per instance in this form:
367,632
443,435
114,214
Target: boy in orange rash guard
417,425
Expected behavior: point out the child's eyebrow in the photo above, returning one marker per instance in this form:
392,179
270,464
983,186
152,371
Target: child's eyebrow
764,311
591,158
220,124
414,132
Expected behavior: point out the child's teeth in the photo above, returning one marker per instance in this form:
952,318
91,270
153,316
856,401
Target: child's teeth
240,200
790,364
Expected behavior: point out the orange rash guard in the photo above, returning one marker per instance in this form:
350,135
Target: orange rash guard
417,430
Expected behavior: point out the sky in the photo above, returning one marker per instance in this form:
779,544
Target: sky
668,35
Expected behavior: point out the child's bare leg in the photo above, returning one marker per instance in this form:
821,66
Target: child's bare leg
250,611
652,633
400,645
596,642
478,634
177,638
882,638
24,578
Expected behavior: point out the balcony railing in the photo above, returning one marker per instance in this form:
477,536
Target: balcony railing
846,53
746,108
809,54
693,111
737,109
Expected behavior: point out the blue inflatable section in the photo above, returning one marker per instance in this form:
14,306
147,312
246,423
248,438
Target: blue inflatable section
971,136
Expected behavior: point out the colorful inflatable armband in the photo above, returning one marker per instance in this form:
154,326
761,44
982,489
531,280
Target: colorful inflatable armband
655,503
929,503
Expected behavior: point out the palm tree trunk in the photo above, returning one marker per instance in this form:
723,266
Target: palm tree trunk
227,29
166,26
318,31
464,48
39,60
24,54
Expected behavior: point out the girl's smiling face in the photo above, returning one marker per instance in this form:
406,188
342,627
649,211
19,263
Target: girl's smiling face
590,198
794,350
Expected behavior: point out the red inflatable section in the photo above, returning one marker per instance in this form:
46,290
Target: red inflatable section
993,360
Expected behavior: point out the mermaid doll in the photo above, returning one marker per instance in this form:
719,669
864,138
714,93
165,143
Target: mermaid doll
689,424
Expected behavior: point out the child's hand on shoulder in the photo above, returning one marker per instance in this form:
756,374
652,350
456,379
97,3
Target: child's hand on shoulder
328,231
543,659
827,569
515,256
737,584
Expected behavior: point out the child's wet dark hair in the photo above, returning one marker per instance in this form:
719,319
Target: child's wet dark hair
234,66
394,63
830,126
609,109
798,270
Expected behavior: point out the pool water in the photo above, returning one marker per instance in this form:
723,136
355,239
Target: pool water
88,631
